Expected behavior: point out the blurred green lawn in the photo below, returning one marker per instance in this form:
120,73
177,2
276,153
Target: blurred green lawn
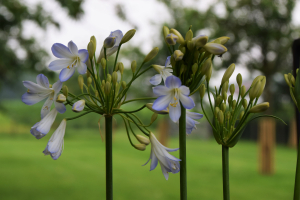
25,173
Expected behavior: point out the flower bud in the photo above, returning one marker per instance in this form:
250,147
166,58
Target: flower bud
91,49
140,147
178,55
228,73
200,41
163,112
127,36
171,39
123,84
206,66
258,78
151,55
93,39
89,81
292,80
114,77
107,88
180,38
190,45
108,78
166,31
194,68
218,100
173,62
220,117
214,48
262,86
142,139
78,106
189,35
121,67
202,90
241,115
260,107
80,82
208,73
239,79
245,103
109,42
230,99
243,91
222,40
182,68
287,80
233,104
103,63
65,90
103,82
223,107
228,115
225,87
216,111
153,117
133,66
255,90
224,96
61,98
232,89
182,49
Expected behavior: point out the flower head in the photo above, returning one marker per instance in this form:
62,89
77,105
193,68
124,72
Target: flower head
172,93
55,145
69,59
159,153
164,72
41,90
190,121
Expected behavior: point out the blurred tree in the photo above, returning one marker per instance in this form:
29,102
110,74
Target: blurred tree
20,54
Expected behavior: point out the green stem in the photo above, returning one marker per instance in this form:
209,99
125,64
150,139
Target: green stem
297,177
182,154
225,172
108,152
138,99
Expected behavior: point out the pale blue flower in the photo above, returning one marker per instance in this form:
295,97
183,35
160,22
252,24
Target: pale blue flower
41,128
164,72
41,90
118,35
78,106
69,59
55,145
172,93
190,121
159,153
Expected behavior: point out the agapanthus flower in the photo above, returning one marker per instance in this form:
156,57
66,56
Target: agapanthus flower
78,106
41,128
118,35
55,145
159,153
190,121
164,72
69,59
172,94
41,90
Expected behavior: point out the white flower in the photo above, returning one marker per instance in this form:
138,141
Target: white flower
172,93
159,153
190,122
55,145
70,58
41,90
164,72
78,106
41,128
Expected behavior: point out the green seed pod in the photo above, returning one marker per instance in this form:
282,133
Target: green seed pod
228,73
114,77
194,68
128,36
108,78
243,91
65,90
220,117
103,63
233,104
202,90
217,109
223,107
241,115
142,139
260,107
107,88
151,54
239,79
133,66
80,82
89,81
232,89
245,103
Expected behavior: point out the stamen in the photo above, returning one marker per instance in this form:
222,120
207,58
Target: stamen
68,67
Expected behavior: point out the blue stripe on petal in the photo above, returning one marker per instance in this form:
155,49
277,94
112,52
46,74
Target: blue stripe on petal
66,73
61,51
173,82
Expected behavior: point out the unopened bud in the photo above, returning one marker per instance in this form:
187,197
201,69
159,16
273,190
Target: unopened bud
224,96
260,107
154,117
89,81
61,98
228,73
182,49
93,39
121,67
107,88
222,40
178,55
208,73
127,36
220,117
233,104
206,66
109,42
80,82
133,66
239,79
114,77
223,107
254,91
108,78
171,39
194,68
230,99
151,55
123,84
190,45
225,87
228,115
140,147
189,35
103,63
216,111
245,103
200,41
287,80
91,49
166,31
293,80
262,86
243,91
142,139
218,100
232,89
202,90
241,115
214,48
65,90
163,112
180,39
78,106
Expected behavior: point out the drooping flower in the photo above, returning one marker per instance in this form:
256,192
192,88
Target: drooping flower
55,145
159,153
41,128
118,35
69,59
172,93
41,90
78,106
164,72
190,121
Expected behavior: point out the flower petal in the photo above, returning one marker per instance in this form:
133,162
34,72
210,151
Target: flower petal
168,61
61,51
42,80
66,73
118,34
156,79
47,106
35,88
57,86
111,51
81,68
36,133
175,112
164,171
154,160
162,102
45,124
173,82
60,107
60,64
73,48
161,90
83,55
194,115
31,98
184,90
186,101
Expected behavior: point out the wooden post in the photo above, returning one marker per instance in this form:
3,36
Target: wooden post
267,145
163,130
293,134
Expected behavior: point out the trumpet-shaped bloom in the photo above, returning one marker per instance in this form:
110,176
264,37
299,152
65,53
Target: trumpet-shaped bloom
190,121
159,153
41,128
118,35
41,90
164,72
55,145
172,93
69,59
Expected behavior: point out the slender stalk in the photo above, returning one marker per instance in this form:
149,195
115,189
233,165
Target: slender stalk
108,152
225,172
182,152
297,177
